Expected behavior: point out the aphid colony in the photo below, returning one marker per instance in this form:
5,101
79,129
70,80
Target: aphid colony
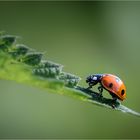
40,67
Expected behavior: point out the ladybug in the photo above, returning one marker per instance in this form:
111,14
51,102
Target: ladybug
113,84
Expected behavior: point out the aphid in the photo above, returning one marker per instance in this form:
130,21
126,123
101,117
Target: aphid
48,69
69,79
109,82
33,58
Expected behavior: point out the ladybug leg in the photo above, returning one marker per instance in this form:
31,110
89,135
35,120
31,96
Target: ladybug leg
114,101
90,85
114,98
113,106
100,88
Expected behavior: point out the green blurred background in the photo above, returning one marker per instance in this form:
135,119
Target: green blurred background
87,38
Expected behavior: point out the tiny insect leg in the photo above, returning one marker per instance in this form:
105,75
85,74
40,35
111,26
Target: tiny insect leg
100,88
114,99
90,86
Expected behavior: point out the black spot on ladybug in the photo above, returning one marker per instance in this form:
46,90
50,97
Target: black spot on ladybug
122,92
110,85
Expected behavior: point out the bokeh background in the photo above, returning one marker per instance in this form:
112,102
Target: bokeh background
87,38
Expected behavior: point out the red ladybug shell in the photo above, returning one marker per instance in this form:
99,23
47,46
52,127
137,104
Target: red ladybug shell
114,85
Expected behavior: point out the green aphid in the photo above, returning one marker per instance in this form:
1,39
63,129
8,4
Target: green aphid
19,50
33,58
7,41
69,79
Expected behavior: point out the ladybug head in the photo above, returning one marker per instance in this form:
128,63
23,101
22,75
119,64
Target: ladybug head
89,79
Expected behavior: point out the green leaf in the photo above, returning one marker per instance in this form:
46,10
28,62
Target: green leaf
29,68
